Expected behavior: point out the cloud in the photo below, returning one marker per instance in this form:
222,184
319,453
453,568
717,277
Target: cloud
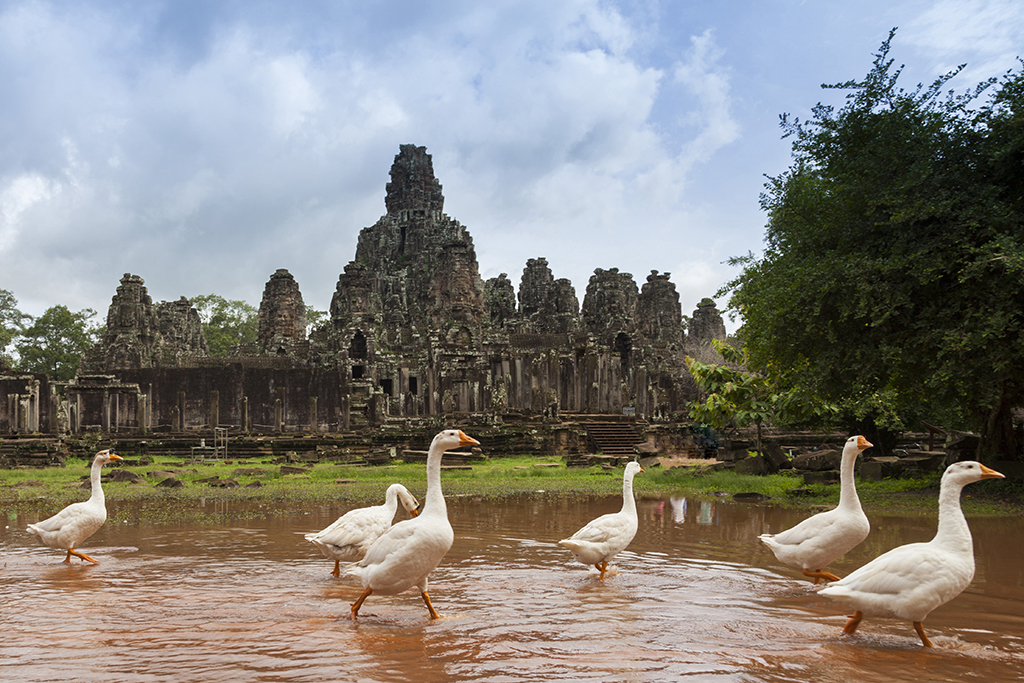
702,76
18,195
203,150
986,34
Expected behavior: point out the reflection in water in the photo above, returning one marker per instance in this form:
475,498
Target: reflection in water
696,596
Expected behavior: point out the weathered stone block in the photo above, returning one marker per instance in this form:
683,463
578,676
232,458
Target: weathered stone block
821,477
818,461
753,465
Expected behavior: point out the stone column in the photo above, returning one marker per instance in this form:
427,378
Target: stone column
214,409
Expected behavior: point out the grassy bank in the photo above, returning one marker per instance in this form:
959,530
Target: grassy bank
272,489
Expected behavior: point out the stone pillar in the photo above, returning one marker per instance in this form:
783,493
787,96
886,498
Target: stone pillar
246,426
282,416
214,409
312,414
140,413
182,415
54,426
105,418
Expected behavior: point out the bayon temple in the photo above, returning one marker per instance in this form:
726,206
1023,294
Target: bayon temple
415,336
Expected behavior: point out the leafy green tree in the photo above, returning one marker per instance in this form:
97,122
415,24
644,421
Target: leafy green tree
226,323
892,280
314,319
11,324
55,341
735,396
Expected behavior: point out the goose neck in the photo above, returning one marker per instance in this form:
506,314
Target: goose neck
94,482
433,502
628,502
847,482
952,528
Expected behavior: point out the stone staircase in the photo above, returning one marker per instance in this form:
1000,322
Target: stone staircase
613,438
613,444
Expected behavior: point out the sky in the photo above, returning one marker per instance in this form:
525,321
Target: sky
205,144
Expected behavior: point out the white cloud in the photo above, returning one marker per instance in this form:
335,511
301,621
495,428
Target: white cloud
18,195
703,76
986,34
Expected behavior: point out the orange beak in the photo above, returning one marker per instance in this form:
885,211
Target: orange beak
465,440
863,443
989,473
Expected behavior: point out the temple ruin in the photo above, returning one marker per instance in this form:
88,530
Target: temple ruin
413,332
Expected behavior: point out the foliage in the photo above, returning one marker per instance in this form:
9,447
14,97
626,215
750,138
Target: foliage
736,396
11,323
893,272
226,323
55,341
314,319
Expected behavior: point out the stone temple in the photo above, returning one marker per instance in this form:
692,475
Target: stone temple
414,332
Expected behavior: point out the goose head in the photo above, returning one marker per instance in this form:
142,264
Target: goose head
103,457
633,468
452,438
407,500
969,471
857,444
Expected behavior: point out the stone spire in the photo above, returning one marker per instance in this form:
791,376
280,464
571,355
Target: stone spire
141,334
418,254
282,315
413,187
660,315
706,324
609,306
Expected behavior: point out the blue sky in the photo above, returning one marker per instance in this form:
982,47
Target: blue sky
203,145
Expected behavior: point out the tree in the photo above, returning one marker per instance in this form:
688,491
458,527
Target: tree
11,324
226,323
892,279
314,319
55,341
735,396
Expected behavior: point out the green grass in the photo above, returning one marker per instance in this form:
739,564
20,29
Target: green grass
47,490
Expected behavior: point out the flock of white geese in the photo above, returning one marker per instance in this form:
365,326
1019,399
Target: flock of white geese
907,582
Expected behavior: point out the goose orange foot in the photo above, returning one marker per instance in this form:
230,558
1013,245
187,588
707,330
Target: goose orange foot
818,574
853,623
354,609
920,631
72,551
430,607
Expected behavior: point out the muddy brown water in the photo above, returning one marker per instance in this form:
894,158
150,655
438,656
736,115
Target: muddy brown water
696,596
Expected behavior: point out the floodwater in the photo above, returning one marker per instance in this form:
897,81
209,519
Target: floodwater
696,596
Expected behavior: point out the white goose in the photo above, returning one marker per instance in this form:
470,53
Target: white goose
818,541
77,521
605,537
352,534
407,552
910,581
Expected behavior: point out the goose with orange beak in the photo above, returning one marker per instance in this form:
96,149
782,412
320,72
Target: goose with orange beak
407,552
816,542
910,581
78,521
